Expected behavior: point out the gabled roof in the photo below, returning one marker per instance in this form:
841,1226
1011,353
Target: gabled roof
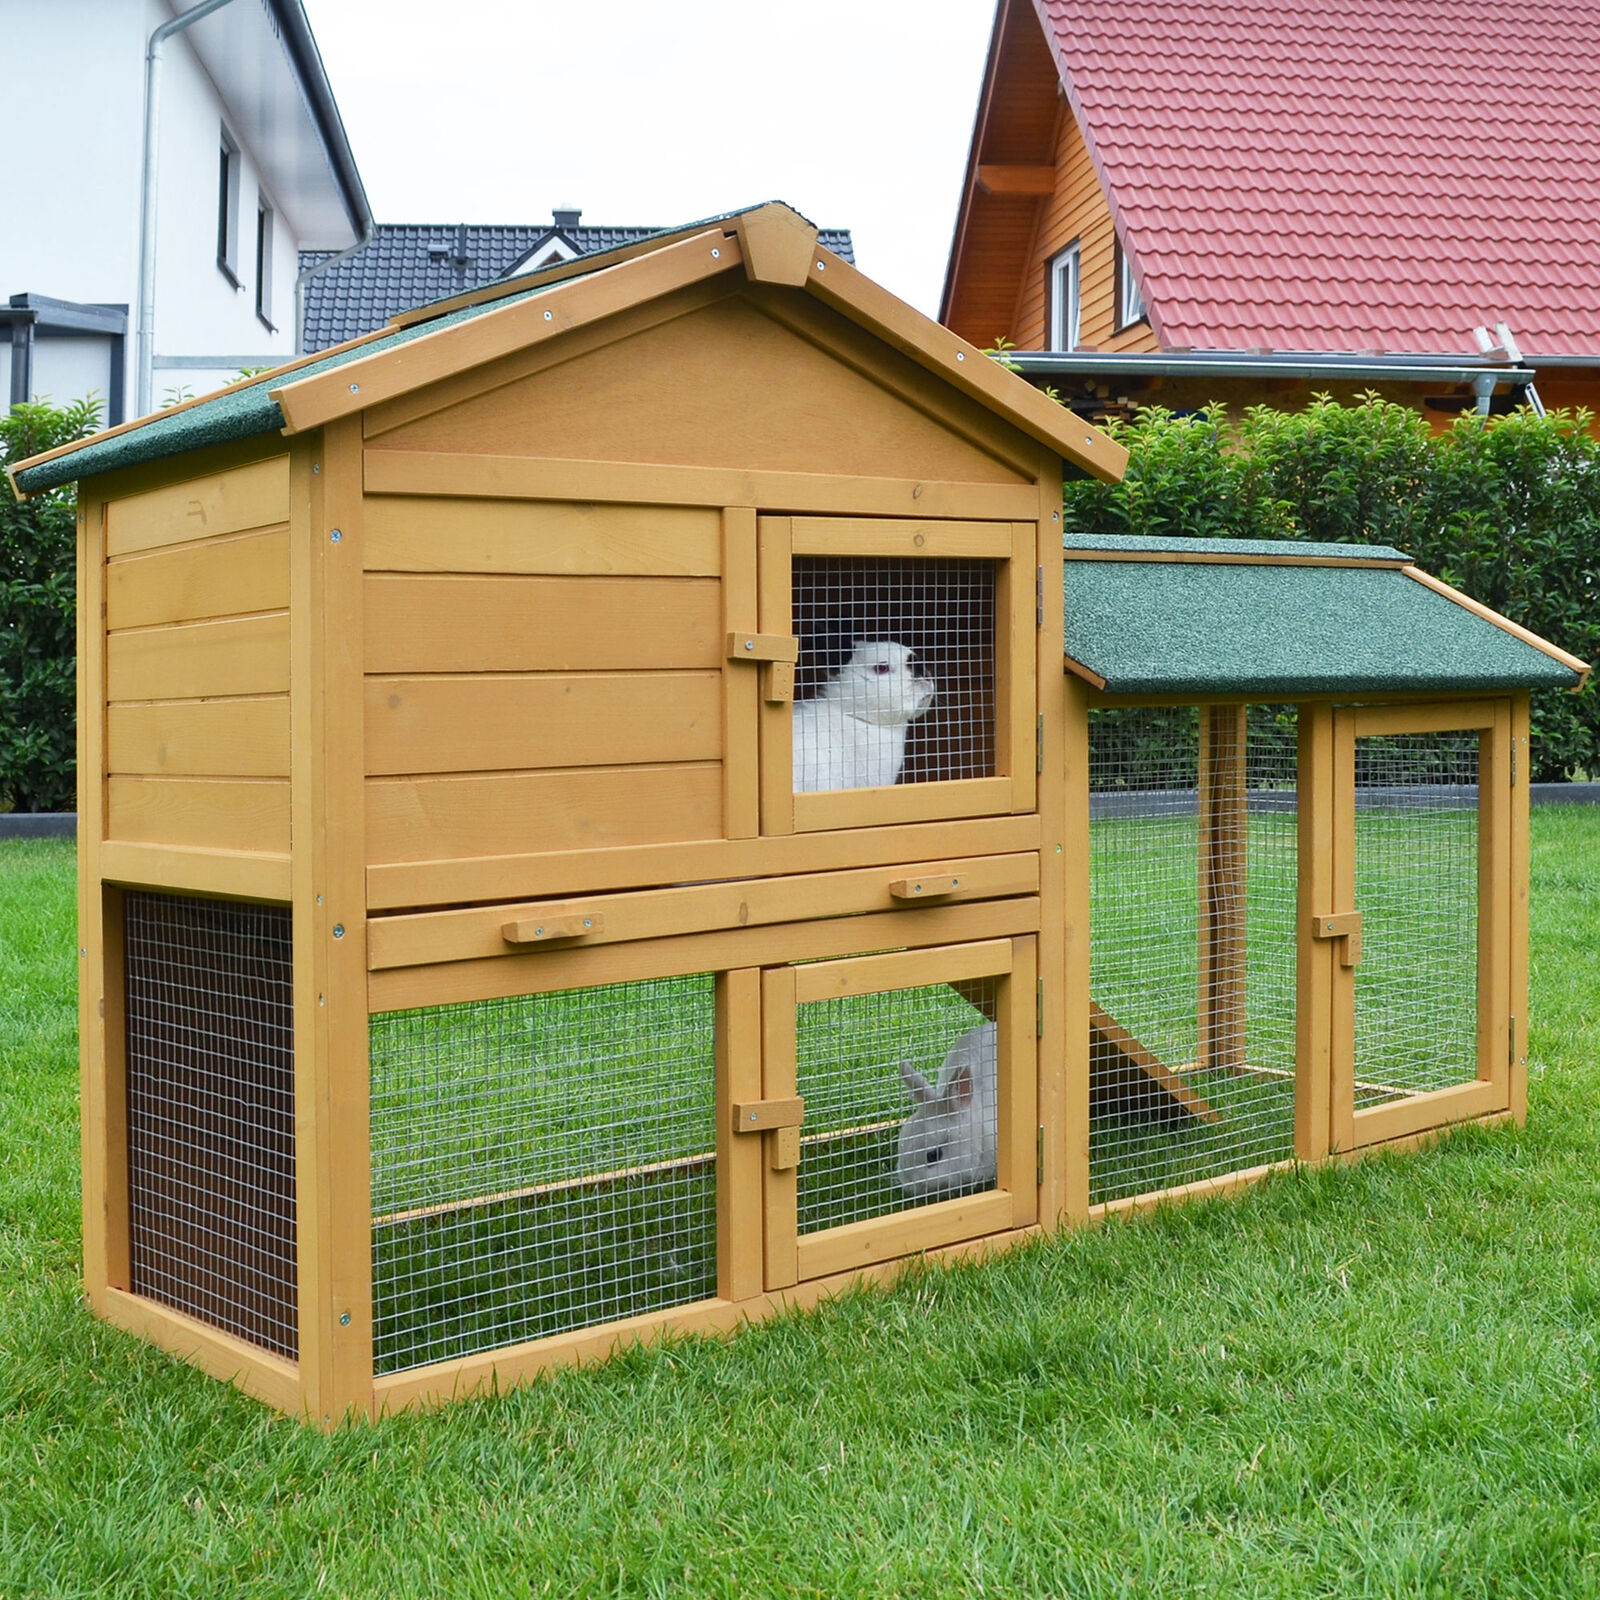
1195,617
771,244
1353,175
410,264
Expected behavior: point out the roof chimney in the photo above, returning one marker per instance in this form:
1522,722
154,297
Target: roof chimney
566,216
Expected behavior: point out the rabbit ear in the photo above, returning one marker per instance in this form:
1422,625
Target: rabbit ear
959,1090
921,1089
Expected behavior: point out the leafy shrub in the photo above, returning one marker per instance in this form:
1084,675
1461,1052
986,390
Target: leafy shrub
1506,510
38,643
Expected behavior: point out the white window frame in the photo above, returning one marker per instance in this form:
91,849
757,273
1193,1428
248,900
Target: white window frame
1130,303
1065,280
265,228
228,173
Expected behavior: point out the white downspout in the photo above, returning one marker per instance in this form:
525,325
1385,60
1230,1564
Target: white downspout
146,341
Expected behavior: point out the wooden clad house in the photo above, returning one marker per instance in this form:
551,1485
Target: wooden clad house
585,831
1260,201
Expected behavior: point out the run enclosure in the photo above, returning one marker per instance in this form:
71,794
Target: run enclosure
498,944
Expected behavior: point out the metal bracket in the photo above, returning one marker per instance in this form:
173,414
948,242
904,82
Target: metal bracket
1344,925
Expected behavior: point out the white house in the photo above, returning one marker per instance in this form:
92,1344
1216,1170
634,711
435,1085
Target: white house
168,165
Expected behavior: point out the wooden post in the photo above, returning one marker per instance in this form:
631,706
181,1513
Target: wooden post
1223,847
1314,957
1066,1159
1496,899
739,1164
329,904
1521,776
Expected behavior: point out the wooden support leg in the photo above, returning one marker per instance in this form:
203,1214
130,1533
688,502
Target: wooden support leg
1222,887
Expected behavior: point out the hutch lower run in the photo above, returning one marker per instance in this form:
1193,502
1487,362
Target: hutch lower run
585,831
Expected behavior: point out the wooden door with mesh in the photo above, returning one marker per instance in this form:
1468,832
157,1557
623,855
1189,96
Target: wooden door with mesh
1420,927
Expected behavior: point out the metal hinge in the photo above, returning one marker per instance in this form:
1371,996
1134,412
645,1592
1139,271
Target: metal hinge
1513,763
1038,1010
1038,597
1511,1043
1038,1160
1038,750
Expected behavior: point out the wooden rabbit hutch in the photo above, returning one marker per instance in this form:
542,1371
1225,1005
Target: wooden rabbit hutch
584,832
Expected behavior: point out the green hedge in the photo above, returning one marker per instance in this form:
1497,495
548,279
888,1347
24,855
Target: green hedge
38,644
1507,511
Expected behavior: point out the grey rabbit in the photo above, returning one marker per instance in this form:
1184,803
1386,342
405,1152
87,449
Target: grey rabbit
950,1142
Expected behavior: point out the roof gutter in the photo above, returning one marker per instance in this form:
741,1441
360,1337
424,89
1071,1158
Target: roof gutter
146,339
1228,364
369,230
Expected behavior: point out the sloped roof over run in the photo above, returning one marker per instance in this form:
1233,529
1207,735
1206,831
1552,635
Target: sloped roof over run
1347,174
1196,617
766,244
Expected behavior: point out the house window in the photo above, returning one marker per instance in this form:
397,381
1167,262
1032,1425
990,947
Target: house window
228,210
1065,291
1130,303
264,262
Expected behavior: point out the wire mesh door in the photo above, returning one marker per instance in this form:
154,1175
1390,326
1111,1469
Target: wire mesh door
1193,872
916,1071
1421,926
911,694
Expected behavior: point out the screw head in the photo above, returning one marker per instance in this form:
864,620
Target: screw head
549,316
335,536
355,388
588,922
749,644
821,266
716,255
338,930
961,355
344,1319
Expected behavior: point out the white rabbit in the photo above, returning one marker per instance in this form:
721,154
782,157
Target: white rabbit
951,1139
853,734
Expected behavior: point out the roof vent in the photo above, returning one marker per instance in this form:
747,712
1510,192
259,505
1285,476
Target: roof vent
566,216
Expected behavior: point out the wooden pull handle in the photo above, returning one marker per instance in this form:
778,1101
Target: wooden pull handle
540,930
758,1116
928,887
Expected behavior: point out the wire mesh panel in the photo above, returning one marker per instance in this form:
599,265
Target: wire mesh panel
1416,989
540,1164
896,677
1192,852
210,1112
901,1101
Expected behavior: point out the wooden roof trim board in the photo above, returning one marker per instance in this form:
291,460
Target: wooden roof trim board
1515,629
530,320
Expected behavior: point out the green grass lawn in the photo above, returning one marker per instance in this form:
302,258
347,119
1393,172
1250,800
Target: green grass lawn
1377,1380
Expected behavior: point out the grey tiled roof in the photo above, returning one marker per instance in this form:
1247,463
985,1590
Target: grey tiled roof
410,264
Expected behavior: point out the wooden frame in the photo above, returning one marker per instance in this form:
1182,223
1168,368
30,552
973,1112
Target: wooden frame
1488,1091
1012,788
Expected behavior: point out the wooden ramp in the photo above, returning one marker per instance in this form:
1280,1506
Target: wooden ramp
1126,1079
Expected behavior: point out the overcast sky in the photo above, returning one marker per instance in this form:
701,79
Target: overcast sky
856,112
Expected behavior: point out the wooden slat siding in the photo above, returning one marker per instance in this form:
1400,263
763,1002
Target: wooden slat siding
430,623
192,660
432,818
487,477
200,738
1077,210
249,814
470,934
526,875
1517,997
701,391
254,496
220,577
423,532
528,721
179,869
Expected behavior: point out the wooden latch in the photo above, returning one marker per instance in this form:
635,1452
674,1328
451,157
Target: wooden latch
777,653
929,887
781,1118
540,930
1344,925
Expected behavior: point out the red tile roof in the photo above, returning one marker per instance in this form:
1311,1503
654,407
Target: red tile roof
1348,174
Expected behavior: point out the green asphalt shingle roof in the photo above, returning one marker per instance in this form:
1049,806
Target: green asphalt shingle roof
1189,628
